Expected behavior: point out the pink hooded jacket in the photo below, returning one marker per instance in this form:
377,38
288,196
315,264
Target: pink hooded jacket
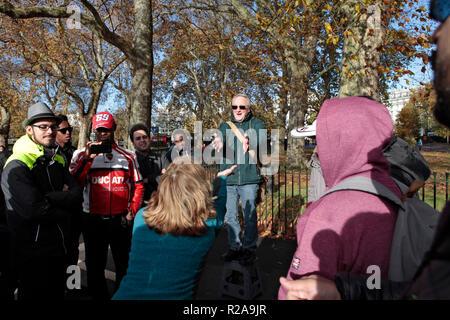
348,230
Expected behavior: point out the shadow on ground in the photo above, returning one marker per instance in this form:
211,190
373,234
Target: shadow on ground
273,259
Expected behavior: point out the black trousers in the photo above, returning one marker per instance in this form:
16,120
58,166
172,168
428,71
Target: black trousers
8,281
74,238
42,278
100,234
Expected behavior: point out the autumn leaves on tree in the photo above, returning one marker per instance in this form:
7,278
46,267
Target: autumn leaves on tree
188,58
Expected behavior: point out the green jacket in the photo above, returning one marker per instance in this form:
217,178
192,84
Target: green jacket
245,173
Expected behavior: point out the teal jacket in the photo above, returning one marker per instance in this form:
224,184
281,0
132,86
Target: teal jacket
246,172
167,267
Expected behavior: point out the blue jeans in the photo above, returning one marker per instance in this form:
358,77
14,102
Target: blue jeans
248,194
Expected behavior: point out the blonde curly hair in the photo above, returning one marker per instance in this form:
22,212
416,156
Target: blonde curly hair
183,200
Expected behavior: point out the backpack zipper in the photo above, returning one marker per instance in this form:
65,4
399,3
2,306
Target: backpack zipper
62,236
37,233
51,184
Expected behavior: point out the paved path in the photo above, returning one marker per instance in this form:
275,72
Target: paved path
273,258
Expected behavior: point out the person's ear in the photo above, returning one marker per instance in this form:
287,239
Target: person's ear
29,129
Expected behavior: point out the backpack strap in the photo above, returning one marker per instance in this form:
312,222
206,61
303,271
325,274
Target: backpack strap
368,185
241,139
236,131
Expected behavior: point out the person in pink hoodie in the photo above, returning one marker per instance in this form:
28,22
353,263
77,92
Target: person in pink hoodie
348,230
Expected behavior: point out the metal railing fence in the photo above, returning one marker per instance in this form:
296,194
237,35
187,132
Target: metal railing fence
286,197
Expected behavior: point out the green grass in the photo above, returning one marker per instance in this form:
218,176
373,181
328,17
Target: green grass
278,212
439,163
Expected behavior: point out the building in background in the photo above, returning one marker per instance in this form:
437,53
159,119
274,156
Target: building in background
397,100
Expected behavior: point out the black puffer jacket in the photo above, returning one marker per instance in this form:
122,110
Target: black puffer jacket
67,152
37,210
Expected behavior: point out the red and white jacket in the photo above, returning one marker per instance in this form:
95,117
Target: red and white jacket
112,182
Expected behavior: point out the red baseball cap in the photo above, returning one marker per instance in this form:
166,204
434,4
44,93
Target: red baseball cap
103,120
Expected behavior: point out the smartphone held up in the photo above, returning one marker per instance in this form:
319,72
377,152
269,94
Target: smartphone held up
101,148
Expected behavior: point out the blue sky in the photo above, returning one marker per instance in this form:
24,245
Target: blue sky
416,66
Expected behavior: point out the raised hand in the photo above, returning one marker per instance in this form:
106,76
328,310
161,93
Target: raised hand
217,143
227,172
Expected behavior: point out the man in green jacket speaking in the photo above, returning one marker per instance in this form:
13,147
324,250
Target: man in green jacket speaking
239,141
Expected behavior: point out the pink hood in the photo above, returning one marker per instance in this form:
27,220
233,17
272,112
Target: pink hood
348,230
351,134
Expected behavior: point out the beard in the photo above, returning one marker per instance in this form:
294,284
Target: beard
442,87
51,144
48,144
442,107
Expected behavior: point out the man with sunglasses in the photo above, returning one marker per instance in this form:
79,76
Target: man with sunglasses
39,193
432,279
64,138
66,149
244,183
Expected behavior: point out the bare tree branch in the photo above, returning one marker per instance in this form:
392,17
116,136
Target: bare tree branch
95,24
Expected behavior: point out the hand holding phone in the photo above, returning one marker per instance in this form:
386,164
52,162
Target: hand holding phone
101,148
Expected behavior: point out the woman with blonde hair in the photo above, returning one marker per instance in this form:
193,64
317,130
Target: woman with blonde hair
173,234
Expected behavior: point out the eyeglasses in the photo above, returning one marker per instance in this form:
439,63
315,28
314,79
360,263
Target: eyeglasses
141,138
439,10
45,127
64,130
240,107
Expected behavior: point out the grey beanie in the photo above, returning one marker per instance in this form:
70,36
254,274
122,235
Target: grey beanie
38,111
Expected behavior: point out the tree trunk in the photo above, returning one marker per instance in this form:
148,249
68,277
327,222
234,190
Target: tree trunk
300,70
284,109
140,55
361,55
295,152
85,126
142,65
86,117
4,126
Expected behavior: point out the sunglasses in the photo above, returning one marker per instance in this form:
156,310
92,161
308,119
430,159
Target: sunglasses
101,129
439,10
64,130
45,127
240,107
